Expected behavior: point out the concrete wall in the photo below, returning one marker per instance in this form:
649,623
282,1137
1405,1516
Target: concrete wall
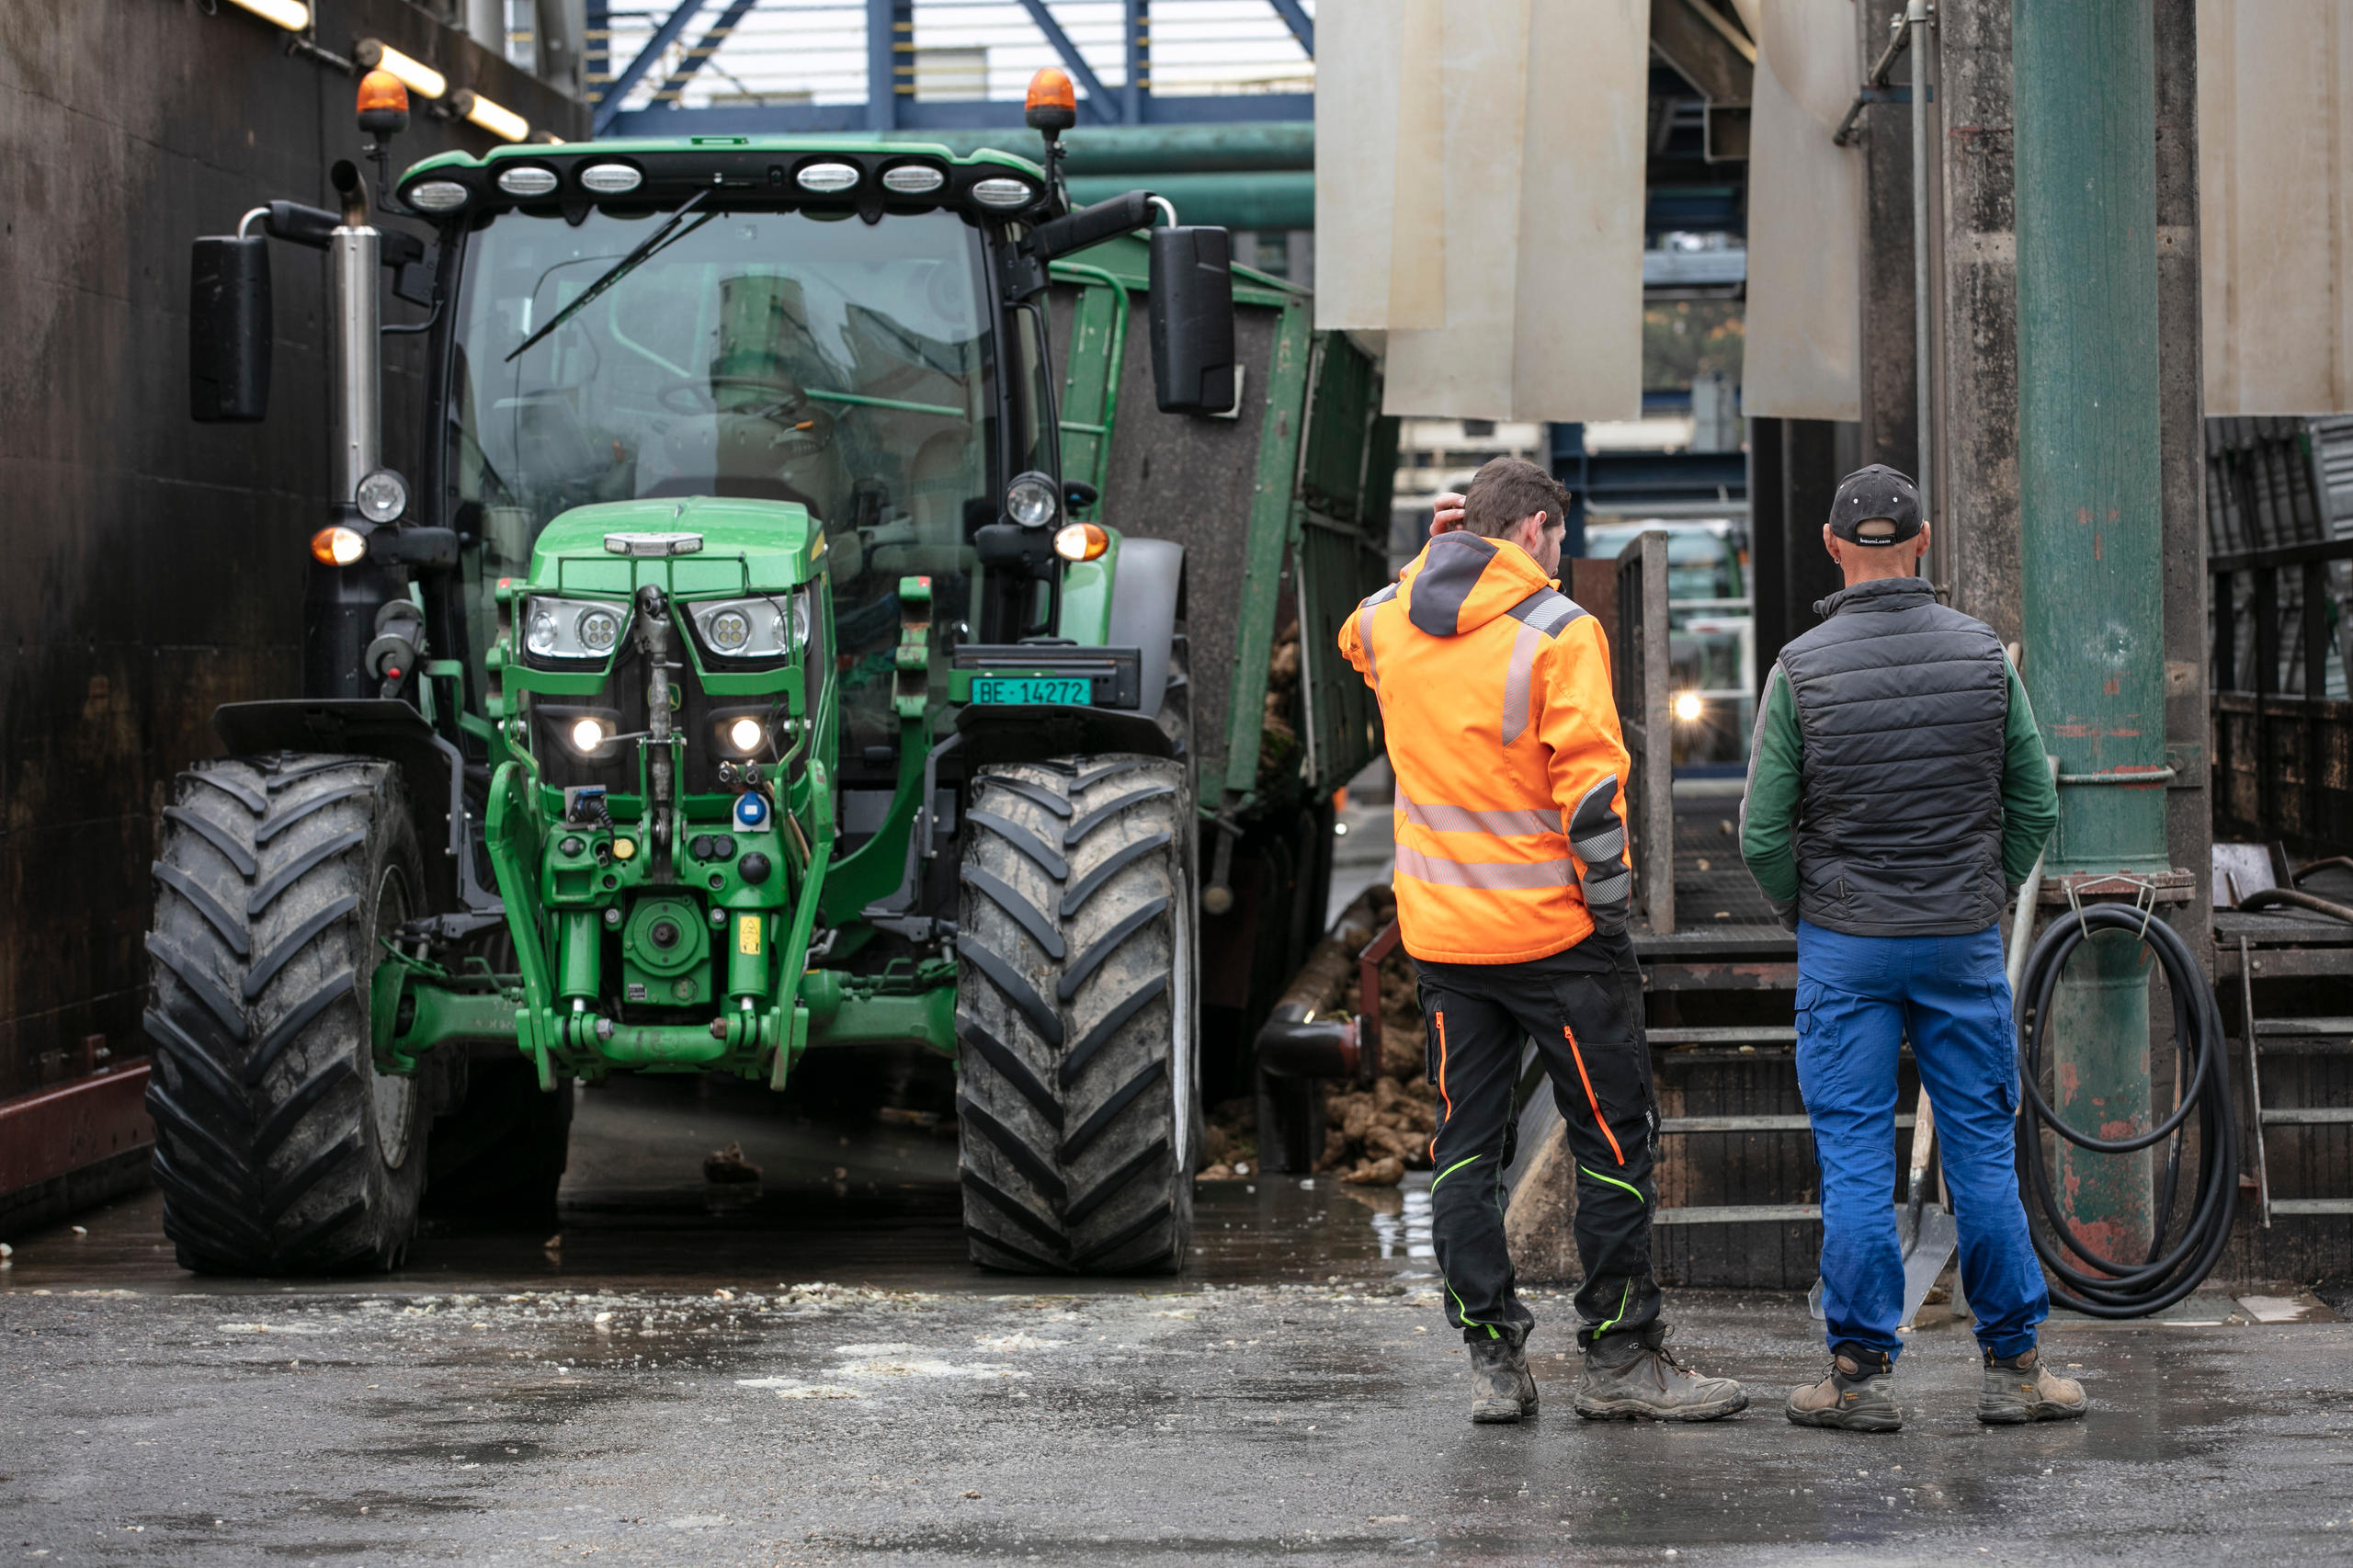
150,568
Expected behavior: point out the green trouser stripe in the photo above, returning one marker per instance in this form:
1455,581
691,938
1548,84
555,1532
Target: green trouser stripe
1612,1180
1450,1171
1470,1321
1622,1297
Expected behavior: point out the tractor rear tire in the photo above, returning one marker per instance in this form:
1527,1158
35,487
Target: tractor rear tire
1074,1016
279,1146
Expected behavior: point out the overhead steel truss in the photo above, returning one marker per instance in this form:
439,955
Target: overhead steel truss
889,66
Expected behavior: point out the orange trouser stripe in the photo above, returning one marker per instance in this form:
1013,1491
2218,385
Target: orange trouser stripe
1441,1081
1590,1097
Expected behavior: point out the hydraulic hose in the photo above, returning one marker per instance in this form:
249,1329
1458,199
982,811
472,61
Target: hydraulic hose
2121,1289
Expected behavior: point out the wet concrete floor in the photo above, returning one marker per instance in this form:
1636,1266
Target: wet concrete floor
814,1374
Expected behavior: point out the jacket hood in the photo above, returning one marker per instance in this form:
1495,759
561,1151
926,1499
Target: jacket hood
1462,581
1884,593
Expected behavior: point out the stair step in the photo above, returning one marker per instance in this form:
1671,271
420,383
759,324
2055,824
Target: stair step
1741,1214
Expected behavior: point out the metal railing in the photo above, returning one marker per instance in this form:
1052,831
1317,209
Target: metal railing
2283,758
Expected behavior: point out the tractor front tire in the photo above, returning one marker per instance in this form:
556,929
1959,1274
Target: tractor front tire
1074,1016
279,1146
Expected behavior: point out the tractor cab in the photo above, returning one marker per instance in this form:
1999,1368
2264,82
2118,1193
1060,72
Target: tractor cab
813,328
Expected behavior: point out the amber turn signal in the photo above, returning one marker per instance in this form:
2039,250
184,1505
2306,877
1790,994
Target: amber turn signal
338,546
1053,102
1081,541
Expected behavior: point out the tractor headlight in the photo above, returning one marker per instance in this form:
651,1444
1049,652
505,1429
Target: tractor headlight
589,736
740,734
573,629
1033,500
382,497
438,196
770,627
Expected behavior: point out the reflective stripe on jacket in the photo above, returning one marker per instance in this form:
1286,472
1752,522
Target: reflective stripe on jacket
1510,814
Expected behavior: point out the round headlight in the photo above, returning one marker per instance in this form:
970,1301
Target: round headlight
745,734
526,179
1005,193
611,179
587,735
913,179
438,196
1029,500
598,630
828,178
730,629
381,496
538,632
1687,707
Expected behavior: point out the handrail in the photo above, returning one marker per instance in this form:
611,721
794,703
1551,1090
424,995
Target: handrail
2278,555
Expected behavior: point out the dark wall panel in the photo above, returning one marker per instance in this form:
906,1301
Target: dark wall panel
150,568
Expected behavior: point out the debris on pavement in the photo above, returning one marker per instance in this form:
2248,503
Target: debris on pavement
727,1166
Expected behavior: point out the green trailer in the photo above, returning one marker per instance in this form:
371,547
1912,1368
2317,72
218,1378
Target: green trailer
845,601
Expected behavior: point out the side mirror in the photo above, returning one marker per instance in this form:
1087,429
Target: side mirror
228,329
1192,320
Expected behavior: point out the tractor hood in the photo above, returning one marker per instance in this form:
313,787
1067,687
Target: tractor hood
694,545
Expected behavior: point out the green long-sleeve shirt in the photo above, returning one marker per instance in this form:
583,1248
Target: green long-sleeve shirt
1769,811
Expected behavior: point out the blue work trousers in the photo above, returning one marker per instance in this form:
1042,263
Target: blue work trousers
1858,999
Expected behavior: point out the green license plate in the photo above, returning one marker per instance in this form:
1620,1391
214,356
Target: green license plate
1061,689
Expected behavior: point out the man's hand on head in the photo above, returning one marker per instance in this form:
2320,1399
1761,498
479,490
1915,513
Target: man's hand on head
1447,515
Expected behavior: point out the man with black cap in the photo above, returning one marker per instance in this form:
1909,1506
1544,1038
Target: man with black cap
1897,795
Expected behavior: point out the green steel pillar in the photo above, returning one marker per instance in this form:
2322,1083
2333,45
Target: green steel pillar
2084,74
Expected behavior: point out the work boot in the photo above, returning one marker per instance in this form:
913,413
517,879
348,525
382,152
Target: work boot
1634,1376
2019,1389
1858,1395
1501,1387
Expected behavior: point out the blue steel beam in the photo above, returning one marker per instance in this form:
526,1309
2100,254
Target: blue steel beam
675,82
1137,15
1098,98
1302,26
885,20
610,104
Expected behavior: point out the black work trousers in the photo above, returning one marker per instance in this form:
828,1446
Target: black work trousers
1583,1008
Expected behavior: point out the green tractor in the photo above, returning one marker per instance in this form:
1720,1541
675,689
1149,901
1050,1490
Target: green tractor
797,636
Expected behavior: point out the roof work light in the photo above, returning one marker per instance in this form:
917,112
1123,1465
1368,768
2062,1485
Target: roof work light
374,54
292,15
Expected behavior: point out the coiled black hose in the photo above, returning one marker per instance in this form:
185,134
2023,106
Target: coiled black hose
2121,1289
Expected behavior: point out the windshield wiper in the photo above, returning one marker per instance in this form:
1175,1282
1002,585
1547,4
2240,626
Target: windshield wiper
622,269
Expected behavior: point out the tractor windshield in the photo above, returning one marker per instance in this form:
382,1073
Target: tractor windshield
779,356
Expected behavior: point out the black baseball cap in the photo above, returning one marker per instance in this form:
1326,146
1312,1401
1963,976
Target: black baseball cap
1876,506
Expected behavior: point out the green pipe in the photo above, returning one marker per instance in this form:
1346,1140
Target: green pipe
1274,199
1148,149
2092,565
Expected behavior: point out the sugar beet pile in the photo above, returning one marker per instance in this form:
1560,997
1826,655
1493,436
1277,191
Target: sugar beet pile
1372,1137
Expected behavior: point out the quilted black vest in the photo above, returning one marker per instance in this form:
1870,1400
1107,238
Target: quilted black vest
1902,705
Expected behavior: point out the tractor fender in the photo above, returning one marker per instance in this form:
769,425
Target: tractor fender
1147,593
395,731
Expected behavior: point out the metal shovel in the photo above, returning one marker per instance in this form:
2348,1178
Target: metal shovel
1926,1230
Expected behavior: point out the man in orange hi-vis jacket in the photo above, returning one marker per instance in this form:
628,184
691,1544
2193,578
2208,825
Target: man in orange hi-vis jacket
1513,891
